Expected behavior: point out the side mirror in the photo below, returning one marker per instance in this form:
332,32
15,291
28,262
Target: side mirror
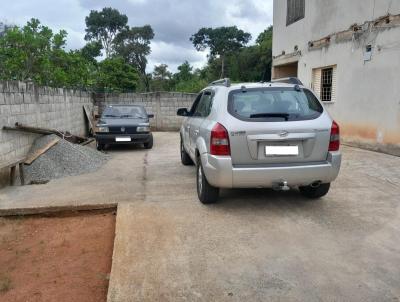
150,115
182,112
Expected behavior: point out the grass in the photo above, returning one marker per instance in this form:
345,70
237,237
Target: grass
5,284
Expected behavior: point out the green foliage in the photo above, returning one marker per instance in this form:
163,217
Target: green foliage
253,63
161,78
265,37
193,86
114,75
184,72
247,64
34,53
91,51
185,80
221,41
103,26
133,44
161,72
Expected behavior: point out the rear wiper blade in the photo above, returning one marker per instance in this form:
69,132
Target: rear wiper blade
282,115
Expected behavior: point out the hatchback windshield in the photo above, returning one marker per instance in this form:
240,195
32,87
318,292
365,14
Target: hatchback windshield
124,112
274,104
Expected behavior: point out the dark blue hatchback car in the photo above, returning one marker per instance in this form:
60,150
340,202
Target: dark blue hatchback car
124,124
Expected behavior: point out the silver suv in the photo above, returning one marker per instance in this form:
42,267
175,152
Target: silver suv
260,135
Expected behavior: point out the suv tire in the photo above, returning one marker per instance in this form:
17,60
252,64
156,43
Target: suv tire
149,144
185,158
207,193
316,192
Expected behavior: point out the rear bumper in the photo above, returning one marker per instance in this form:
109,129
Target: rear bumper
222,174
110,138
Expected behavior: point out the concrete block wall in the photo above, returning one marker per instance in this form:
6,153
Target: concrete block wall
62,109
25,103
162,104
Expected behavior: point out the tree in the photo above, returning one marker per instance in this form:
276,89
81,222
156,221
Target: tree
91,51
34,53
103,26
24,52
116,75
161,78
249,64
264,41
265,36
161,72
184,72
221,41
187,80
133,44
4,27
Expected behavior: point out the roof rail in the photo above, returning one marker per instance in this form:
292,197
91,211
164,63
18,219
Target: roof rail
222,82
289,80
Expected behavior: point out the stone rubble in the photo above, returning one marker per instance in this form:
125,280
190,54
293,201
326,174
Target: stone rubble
61,160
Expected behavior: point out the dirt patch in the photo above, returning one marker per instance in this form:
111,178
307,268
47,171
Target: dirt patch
56,258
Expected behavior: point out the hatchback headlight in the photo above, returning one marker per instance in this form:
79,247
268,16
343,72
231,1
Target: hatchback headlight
143,129
103,129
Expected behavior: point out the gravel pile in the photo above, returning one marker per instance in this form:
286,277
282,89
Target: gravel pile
63,159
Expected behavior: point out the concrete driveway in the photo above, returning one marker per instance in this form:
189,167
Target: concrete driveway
260,245
254,245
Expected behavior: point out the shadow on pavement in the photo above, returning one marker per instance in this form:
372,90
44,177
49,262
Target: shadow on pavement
267,199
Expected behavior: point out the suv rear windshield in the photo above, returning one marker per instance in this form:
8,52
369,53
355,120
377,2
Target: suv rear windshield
124,112
274,104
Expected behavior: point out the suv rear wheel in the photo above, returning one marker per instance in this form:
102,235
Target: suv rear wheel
315,192
206,192
185,158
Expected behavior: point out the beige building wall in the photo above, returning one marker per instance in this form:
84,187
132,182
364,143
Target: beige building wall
367,93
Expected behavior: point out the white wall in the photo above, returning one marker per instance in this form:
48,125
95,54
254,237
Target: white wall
323,17
368,93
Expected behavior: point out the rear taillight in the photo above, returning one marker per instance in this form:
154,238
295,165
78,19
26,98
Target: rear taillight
334,142
219,144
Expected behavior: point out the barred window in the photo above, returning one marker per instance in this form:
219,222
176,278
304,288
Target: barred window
295,11
324,81
326,84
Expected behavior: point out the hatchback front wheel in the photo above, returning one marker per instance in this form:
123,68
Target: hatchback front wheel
100,146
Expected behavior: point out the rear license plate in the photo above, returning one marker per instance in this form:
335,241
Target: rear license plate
122,139
281,150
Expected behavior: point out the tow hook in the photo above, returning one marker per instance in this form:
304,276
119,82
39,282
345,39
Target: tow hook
282,186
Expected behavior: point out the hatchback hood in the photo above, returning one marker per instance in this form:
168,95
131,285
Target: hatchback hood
122,121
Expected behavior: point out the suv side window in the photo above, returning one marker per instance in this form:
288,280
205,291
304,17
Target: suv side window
204,106
195,104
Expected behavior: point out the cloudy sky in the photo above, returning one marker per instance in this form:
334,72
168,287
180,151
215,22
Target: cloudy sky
173,21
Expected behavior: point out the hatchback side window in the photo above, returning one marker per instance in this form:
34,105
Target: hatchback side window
204,106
